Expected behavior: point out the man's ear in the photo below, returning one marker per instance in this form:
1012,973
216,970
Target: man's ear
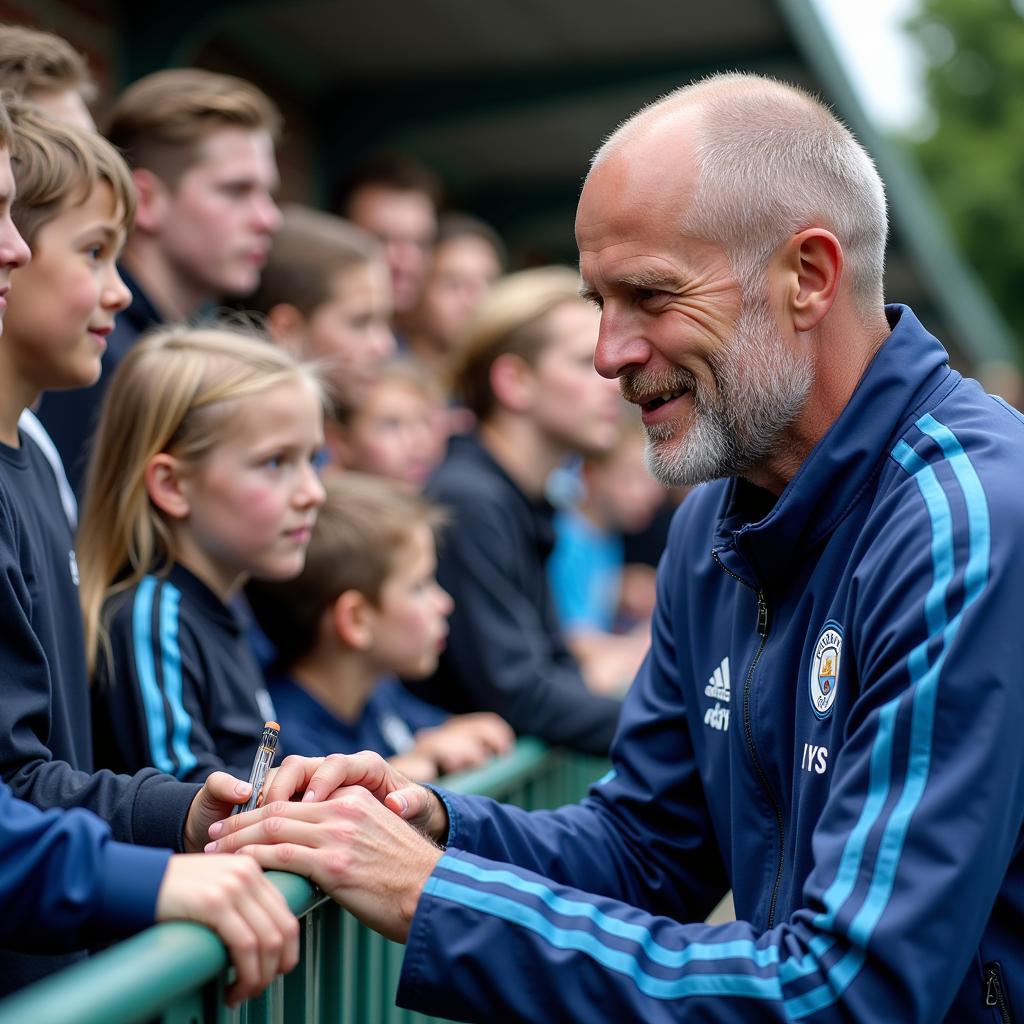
353,620
812,263
287,327
154,200
512,381
166,486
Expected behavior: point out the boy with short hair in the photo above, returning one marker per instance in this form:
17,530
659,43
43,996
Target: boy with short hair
326,296
365,609
73,202
201,149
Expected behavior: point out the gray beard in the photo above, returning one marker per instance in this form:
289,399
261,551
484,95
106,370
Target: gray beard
761,387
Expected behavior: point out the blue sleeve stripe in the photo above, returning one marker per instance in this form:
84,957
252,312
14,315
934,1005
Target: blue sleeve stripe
170,654
924,680
608,776
145,667
924,684
653,950
502,907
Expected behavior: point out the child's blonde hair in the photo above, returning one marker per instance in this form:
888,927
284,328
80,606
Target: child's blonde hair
176,391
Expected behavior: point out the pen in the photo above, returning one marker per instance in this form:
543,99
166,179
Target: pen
261,765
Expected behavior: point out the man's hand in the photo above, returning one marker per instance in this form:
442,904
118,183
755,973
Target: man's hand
354,848
319,778
232,896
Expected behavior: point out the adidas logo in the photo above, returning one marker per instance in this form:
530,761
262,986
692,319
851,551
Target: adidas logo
718,687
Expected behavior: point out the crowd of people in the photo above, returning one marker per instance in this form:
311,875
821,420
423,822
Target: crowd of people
234,489
341,517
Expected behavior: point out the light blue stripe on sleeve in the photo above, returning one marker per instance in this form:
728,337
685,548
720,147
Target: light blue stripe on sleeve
653,950
145,667
616,960
924,683
170,654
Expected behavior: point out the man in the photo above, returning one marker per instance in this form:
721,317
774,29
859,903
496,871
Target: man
45,70
828,718
201,149
395,199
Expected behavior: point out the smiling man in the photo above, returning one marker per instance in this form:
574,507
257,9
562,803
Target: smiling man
201,149
827,720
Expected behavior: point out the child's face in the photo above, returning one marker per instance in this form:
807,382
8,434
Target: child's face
410,624
351,331
63,304
13,250
253,500
395,433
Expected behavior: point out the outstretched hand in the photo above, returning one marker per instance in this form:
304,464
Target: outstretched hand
352,846
320,778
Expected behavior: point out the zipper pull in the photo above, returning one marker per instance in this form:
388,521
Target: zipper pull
994,992
762,615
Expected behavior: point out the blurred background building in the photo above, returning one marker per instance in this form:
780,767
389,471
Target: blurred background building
506,100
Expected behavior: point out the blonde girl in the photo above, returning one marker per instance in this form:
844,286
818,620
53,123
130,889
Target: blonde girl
202,476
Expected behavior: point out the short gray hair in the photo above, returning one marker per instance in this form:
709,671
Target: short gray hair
771,161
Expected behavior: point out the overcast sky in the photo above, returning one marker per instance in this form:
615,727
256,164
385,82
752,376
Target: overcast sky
882,64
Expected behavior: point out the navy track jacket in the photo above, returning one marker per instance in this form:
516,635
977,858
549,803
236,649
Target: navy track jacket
65,883
829,720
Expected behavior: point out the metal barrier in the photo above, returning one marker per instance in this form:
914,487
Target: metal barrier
175,973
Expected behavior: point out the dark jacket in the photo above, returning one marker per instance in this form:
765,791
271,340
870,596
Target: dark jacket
506,652
828,721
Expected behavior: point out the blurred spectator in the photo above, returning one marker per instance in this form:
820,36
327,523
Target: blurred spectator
367,607
326,295
617,494
396,431
395,199
527,374
46,70
469,257
201,149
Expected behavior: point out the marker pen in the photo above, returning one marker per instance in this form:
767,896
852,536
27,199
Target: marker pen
261,765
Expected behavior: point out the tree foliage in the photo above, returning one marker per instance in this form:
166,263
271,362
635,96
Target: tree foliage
974,159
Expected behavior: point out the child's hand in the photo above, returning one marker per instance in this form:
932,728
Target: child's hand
232,896
213,802
465,741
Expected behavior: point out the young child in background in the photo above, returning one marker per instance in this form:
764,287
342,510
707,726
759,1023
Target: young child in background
202,476
326,296
617,495
396,431
365,609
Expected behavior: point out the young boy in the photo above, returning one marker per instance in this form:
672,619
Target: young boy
201,149
326,296
618,495
396,431
73,202
366,609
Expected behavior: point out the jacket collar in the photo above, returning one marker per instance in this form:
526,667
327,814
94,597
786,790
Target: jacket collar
760,540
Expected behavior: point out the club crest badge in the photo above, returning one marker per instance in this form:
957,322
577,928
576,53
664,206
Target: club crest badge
824,680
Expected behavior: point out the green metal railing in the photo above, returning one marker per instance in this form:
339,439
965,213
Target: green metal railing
175,973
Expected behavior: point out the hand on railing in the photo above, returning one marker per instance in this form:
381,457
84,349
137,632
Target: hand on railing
359,852
321,778
232,896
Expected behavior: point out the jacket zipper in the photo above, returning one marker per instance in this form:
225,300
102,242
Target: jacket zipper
995,994
762,632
